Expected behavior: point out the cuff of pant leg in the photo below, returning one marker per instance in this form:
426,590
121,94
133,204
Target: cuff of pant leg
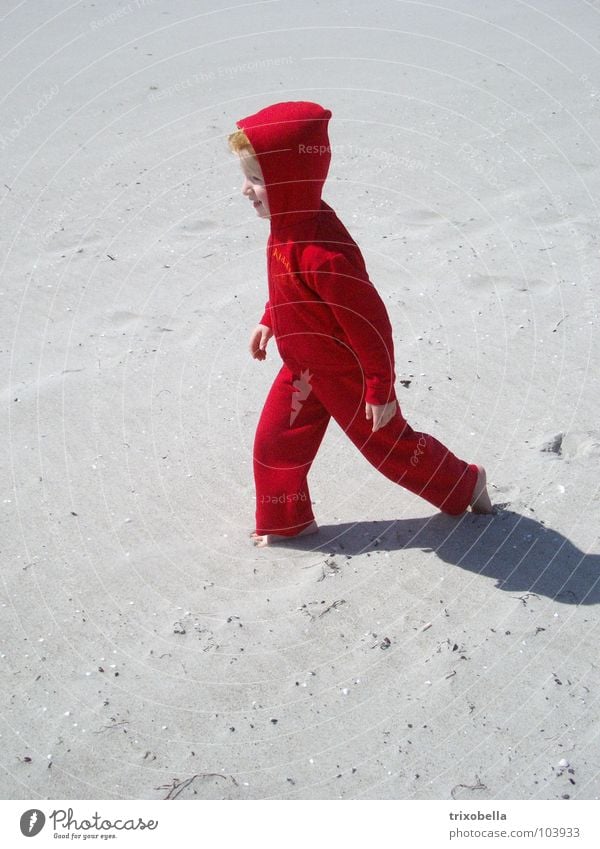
287,531
466,485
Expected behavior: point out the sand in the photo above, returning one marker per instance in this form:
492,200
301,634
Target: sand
147,647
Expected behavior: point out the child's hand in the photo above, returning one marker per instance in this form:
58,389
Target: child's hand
258,341
381,414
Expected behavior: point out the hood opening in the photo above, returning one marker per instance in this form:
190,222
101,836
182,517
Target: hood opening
292,147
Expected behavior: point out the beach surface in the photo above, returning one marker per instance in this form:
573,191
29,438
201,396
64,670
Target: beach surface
148,649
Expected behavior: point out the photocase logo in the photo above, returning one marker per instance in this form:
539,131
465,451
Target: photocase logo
302,391
32,822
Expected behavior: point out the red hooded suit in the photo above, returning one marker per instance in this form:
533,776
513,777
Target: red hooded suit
334,336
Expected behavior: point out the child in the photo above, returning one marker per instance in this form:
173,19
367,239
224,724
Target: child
334,336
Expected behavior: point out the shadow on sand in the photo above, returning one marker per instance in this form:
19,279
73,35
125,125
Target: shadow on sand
520,553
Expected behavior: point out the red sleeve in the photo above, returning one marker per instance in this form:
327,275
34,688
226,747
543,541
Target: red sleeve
266,319
360,311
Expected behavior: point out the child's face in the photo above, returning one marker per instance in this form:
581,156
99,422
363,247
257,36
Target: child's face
253,186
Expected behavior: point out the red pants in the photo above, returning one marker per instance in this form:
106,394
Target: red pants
292,425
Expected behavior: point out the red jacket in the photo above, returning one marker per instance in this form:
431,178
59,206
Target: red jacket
323,309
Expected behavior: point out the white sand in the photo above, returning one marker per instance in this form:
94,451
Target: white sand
144,640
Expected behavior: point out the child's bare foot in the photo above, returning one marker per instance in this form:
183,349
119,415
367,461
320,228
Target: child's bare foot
261,540
481,500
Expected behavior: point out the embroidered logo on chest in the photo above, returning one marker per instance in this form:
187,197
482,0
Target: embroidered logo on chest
282,259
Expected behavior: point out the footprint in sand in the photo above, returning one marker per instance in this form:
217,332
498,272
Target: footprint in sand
584,167
552,443
123,318
197,226
63,244
572,445
419,217
503,496
552,219
485,283
581,444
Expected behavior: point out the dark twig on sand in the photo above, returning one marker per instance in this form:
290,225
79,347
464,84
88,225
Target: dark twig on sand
523,598
560,322
312,616
332,606
114,725
177,787
477,786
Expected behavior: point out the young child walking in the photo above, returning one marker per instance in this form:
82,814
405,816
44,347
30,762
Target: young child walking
333,334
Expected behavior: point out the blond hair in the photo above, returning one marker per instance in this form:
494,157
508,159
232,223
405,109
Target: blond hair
240,143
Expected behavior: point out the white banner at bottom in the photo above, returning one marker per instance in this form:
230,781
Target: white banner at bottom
314,824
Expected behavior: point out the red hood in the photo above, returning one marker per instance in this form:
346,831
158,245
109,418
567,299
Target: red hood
292,146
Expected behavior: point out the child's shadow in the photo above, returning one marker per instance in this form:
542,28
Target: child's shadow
520,553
